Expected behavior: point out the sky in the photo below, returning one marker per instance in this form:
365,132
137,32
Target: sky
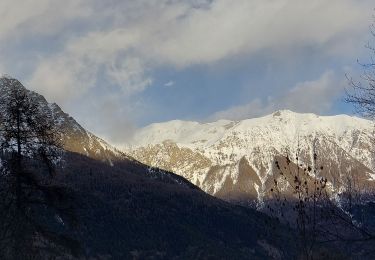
118,65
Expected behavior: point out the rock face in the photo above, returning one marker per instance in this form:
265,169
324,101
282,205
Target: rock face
235,160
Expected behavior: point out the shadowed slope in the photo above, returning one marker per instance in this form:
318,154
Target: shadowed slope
125,214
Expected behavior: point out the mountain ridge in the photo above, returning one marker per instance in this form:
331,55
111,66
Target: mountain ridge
209,154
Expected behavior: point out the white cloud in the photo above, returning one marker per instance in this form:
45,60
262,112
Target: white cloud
169,83
128,73
315,96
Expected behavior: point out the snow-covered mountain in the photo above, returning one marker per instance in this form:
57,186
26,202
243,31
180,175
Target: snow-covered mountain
235,160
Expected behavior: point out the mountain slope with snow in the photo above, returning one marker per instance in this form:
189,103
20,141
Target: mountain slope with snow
236,159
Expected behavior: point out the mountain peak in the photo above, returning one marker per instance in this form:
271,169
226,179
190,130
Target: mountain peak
281,112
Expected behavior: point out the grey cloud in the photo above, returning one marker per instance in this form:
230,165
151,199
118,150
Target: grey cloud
25,18
108,116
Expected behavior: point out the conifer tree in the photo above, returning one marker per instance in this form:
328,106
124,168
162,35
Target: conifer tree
34,210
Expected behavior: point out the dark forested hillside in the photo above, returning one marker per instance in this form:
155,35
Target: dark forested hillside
124,213
123,209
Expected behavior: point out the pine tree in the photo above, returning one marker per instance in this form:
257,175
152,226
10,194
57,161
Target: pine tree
33,209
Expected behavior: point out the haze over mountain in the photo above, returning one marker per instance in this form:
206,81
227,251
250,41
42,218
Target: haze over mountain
235,160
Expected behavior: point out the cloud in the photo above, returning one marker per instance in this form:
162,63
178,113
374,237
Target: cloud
228,28
137,37
129,74
78,69
25,18
112,120
62,78
169,83
252,109
315,96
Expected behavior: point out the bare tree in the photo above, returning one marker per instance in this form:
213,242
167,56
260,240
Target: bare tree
301,207
33,209
362,93
318,219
